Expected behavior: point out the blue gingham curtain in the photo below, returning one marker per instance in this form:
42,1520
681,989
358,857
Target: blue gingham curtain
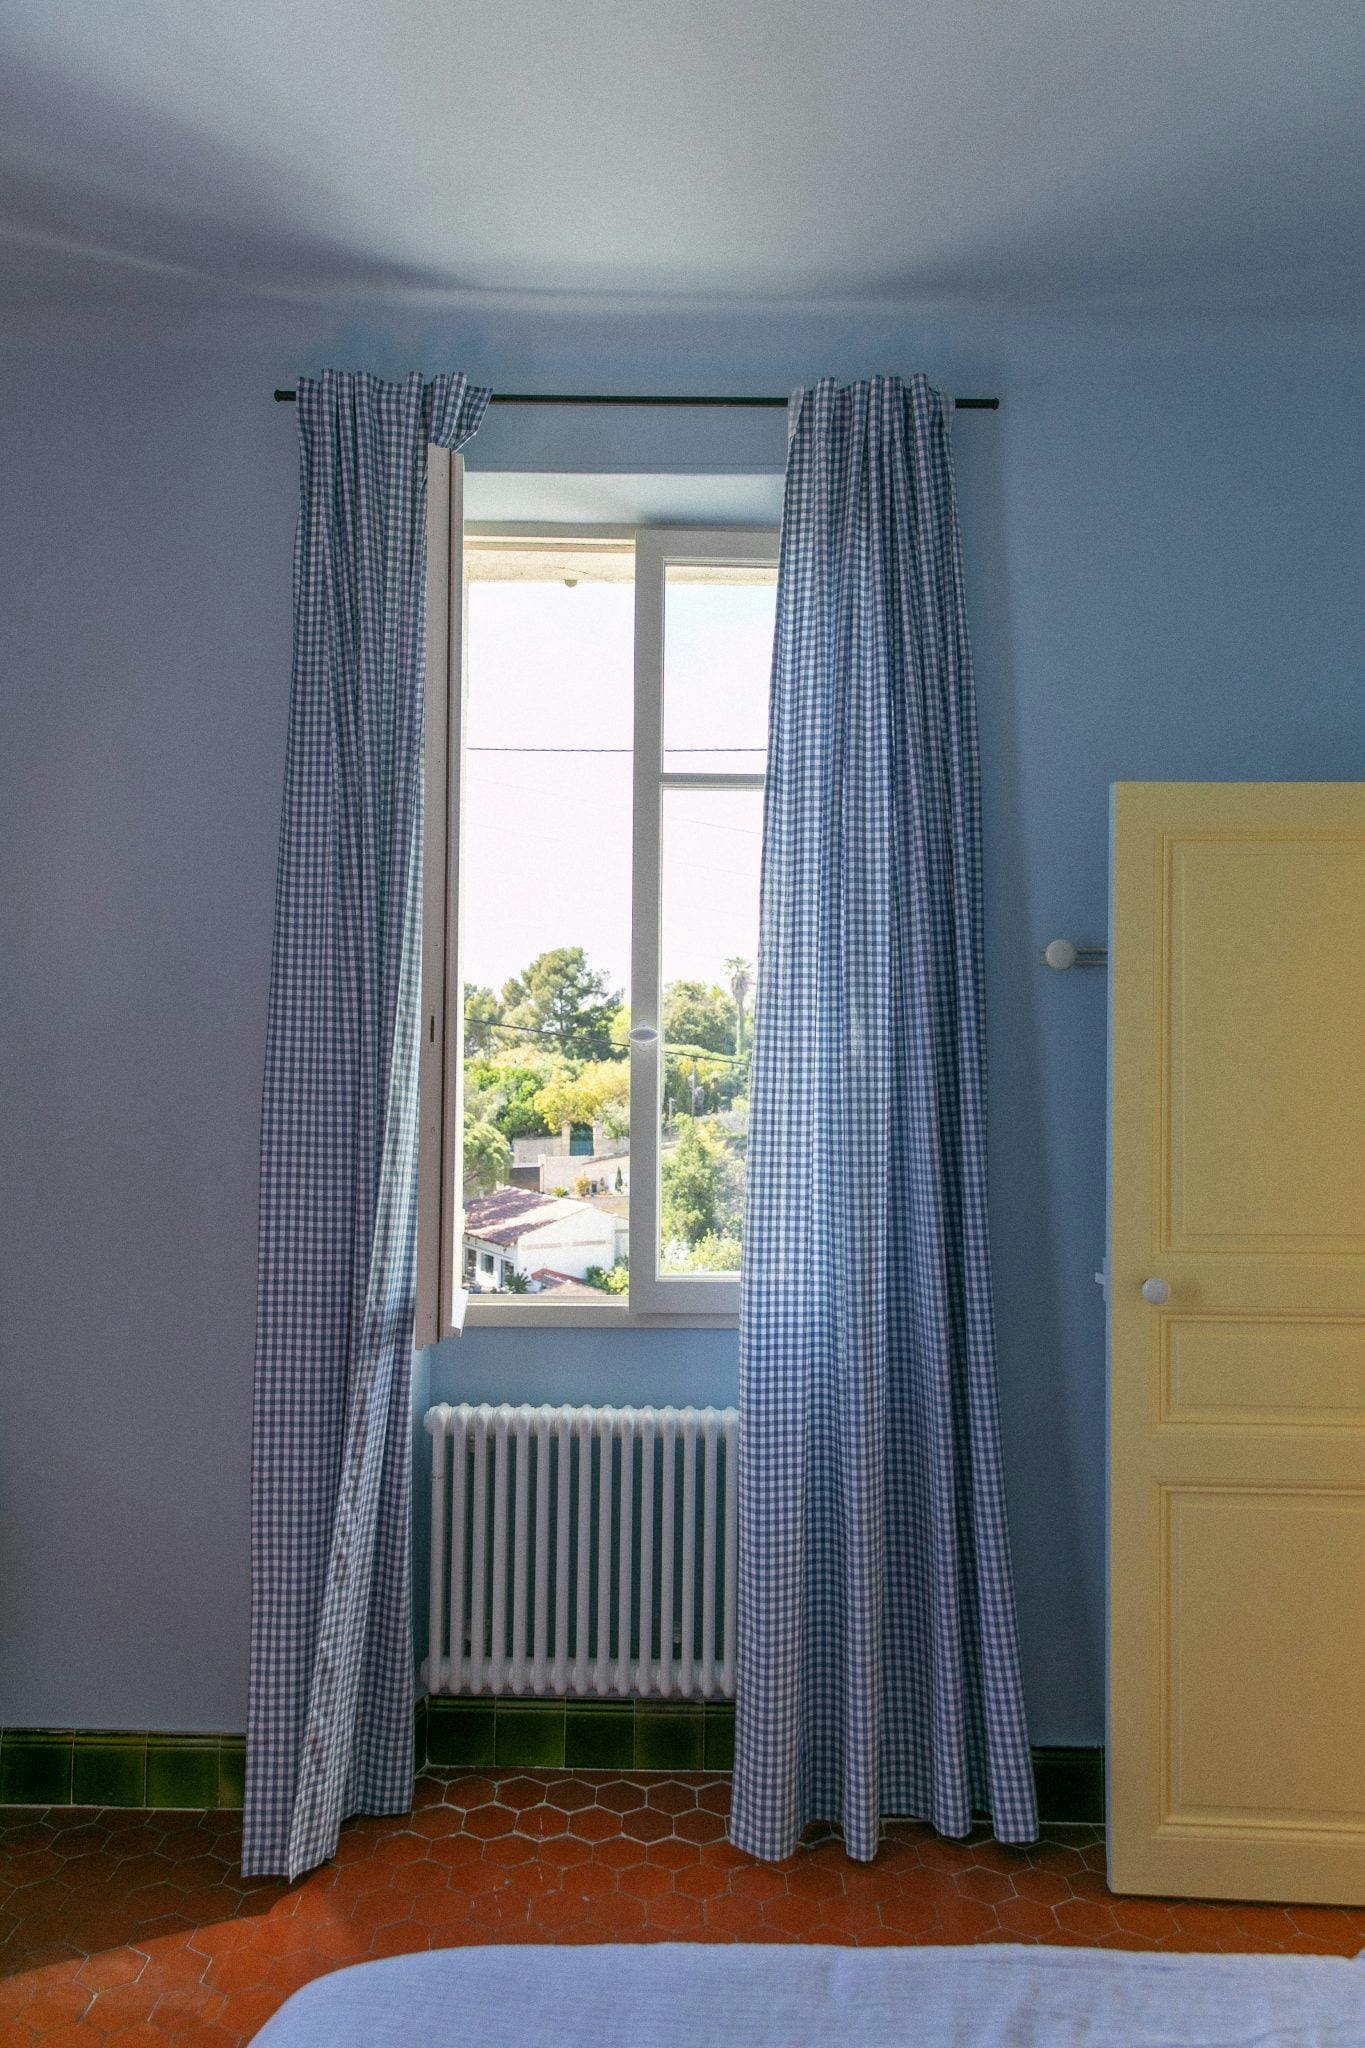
878,1663
331,1693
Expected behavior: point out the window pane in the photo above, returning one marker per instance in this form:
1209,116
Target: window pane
711,844
545,920
718,650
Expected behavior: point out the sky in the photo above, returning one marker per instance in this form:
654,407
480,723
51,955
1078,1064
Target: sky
547,834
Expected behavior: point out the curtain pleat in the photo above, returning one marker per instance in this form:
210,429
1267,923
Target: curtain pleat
331,1688
878,1663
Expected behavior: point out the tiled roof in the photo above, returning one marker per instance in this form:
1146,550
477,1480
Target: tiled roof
508,1213
564,1286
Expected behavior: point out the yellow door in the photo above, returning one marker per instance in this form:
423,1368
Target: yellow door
1237,1341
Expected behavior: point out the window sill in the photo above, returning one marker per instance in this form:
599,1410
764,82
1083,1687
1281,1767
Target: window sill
519,1313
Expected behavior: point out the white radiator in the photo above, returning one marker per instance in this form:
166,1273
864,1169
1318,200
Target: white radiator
583,1550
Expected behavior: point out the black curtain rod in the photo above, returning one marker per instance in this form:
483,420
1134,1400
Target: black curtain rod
627,398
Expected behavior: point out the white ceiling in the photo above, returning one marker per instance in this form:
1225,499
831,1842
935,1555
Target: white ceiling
1177,155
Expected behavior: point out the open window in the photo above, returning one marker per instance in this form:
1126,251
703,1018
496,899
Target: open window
597,731
704,609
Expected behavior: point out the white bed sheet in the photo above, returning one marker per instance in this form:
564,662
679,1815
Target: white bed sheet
696,1995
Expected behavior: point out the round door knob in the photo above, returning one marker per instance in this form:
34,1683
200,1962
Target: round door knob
1156,1291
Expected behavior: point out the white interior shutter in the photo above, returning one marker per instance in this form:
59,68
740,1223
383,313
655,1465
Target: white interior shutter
441,1295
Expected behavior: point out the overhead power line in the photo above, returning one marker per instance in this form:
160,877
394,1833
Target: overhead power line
686,1052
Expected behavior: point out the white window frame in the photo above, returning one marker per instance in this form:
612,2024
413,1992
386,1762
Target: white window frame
442,1297
444,1305
657,550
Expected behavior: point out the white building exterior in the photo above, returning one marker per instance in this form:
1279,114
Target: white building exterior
518,1231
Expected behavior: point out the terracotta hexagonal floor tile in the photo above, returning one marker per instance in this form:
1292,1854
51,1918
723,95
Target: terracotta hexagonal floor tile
844,1919
989,1886
116,1966
965,1920
675,1918
487,1822
1086,1920
510,1849
525,1788
556,1912
701,1881
621,1795
1152,1917
489,1857
817,1880
543,1820
648,1881
671,1796
1024,1919
594,1824
699,1826
565,1851
758,1881
49,1999
647,1824
470,1789
1275,1923
912,1918
620,1852
673,1853
569,1794
1192,1918
731,1919
125,2005
1044,1887
248,2011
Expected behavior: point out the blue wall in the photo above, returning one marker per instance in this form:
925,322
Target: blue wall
1165,539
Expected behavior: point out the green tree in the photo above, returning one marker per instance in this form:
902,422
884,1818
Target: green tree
698,1014
696,1081
503,1091
710,1254
702,1186
611,1279
599,1093
564,1001
487,1155
482,1015
740,976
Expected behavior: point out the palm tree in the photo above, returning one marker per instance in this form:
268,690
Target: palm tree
740,984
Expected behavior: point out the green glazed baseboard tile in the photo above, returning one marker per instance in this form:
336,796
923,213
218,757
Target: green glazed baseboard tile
718,1738
530,1733
1070,1784
459,1732
585,1735
654,1735
669,1738
35,1767
232,1773
108,1767
115,1767
109,1770
182,1773
600,1736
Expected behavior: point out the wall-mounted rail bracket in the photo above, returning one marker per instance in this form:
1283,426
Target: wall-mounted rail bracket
1064,953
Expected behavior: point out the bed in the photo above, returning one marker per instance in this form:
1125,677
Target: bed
676,1995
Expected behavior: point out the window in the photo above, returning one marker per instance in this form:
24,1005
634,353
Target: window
704,608
591,928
